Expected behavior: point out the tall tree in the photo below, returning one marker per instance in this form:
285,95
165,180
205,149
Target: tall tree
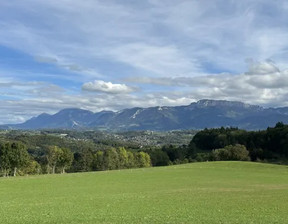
131,159
65,159
98,163
19,156
83,161
53,154
122,158
143,159
111,159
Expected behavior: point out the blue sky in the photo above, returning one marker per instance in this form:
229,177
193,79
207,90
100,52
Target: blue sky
110,55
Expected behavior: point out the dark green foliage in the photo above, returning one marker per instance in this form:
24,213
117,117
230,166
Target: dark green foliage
19,156
210,139
83,161
271,144
277,139
202,157
98,163
171,154
175,153
5,163
159,158
257,154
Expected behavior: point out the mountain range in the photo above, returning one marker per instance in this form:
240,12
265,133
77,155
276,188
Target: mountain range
197,115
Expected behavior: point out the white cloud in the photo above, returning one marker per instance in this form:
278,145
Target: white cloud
263,84
107,87
188,50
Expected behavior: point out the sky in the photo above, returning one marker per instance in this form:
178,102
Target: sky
110,55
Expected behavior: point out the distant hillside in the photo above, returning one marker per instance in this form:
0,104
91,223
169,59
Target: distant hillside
198,115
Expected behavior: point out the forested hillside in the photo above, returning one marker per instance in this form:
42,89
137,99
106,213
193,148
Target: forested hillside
44,152
270,144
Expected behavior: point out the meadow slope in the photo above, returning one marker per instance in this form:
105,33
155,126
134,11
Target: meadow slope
209,192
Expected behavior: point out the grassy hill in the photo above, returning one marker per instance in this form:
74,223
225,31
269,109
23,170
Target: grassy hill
209,192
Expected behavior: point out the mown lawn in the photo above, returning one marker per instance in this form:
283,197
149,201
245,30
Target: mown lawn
209,192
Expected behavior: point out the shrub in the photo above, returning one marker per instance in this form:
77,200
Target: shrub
231,152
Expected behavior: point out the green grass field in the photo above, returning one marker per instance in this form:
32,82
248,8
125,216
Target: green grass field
209,192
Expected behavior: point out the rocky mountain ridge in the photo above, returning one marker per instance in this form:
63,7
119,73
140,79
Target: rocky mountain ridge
198,115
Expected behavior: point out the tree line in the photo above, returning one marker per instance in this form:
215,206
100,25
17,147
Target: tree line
15,159
266,145
110,159
231,143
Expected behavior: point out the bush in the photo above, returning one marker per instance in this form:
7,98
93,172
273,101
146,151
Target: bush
231,152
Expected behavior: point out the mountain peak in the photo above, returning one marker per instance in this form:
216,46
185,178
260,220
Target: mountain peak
73,110
208,102
44,115
223,103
